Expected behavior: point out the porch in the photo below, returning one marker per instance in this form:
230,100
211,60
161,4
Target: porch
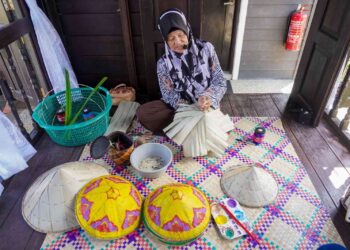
321,150
325,158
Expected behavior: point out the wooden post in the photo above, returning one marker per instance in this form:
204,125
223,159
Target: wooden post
342,87
11,101
344,124
127,38
30,69
13,68
20,84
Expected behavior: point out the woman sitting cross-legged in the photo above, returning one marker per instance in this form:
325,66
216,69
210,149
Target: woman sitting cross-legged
189,72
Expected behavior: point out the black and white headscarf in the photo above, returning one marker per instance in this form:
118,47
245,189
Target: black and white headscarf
189,71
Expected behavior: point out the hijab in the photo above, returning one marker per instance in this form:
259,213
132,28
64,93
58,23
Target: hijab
189,71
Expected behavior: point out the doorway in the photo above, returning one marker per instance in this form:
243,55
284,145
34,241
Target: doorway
217,28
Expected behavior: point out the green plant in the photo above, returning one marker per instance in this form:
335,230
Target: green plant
69,103
87,100
68,112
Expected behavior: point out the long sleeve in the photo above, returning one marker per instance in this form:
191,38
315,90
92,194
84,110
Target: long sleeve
217,87
169,95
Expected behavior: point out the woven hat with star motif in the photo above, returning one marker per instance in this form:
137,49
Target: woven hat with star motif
108,207
48,205
176,213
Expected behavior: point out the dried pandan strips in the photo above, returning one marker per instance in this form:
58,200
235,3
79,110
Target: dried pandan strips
199,131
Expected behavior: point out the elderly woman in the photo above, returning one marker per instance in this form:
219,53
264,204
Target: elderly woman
189,72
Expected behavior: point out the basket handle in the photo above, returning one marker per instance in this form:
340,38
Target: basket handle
119,85
50,91
80,84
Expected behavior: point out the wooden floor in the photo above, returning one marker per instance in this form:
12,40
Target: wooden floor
325,158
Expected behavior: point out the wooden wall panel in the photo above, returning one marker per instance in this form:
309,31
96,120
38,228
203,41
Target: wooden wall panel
103,65
263,52
135,16
135,24
271,56
332,23
96,46
267,65
281,1
91,24
261,45
266,74
134,6
270,10
93,79
138,45
265,34
86,6
93,37
268,23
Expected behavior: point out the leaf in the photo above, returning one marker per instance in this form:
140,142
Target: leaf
75,118
68,112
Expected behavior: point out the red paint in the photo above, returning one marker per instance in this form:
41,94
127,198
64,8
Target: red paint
254,237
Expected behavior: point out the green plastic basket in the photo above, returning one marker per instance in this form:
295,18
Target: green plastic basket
81,132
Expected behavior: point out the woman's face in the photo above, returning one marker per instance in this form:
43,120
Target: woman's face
176,40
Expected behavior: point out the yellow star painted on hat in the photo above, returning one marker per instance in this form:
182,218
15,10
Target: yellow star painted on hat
177,195
113,193
176,201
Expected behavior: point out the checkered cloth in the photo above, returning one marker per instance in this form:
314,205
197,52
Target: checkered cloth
296,220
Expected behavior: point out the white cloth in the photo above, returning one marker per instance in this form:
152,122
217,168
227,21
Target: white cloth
52,49
15,150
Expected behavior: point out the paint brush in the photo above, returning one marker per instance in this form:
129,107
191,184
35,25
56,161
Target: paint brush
246,141
254,237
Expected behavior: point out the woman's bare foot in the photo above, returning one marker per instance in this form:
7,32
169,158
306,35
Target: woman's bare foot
7,109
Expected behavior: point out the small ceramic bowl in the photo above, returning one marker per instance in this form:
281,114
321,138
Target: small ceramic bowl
148,150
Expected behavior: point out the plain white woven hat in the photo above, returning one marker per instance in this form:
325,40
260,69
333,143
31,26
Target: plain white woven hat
48,205
251,186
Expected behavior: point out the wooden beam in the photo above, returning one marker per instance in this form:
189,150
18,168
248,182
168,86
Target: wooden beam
336,130
128,44
239,35
14,31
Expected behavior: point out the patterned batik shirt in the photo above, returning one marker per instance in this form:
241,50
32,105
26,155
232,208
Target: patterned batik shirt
215,91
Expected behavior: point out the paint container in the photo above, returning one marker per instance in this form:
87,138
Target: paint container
227,227
60,115
259,135
87,115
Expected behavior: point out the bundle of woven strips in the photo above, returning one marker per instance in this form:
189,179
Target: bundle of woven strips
200,132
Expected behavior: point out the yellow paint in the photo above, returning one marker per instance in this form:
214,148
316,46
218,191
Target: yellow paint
220,219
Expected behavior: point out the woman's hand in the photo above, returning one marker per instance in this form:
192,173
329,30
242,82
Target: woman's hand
204,103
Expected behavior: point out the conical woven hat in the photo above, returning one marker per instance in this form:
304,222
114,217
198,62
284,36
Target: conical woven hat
250,186
48,205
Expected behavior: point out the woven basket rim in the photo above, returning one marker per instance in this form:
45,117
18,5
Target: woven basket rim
108,106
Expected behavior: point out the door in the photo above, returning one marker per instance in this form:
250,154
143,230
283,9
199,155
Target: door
217,24
324,50
152,39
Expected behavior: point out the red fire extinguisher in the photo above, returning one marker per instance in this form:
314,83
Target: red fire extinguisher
296,29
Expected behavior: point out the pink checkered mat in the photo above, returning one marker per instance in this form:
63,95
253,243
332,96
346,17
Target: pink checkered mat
296,220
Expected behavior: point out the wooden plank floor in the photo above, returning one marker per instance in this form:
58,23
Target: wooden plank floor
325,158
